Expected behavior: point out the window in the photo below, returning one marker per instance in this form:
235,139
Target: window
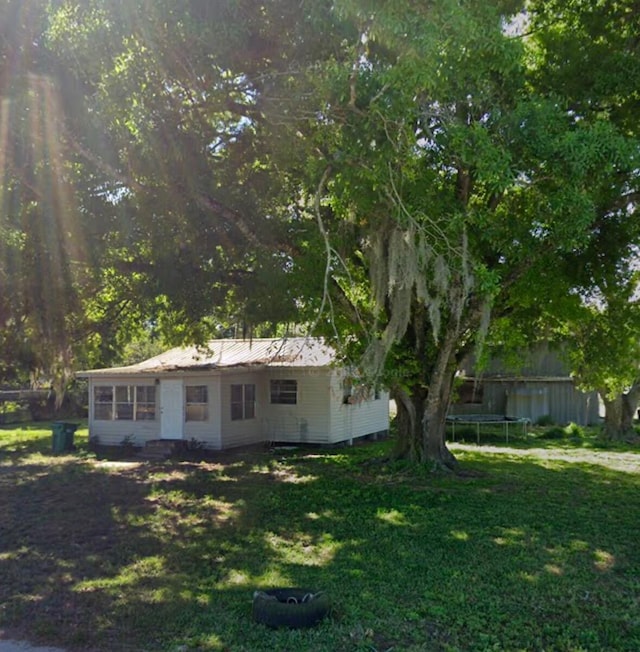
145,403
243,401
197,403
284,391
103,403
124,402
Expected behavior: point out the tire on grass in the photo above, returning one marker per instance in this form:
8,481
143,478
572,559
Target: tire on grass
290,607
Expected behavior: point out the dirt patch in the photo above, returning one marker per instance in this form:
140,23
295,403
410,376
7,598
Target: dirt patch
615,461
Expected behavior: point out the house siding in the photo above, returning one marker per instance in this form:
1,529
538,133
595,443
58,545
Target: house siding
208,432
242,432
306,422
354,420
317,417
113,432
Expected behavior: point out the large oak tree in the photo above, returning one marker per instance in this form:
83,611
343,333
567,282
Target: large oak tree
390,173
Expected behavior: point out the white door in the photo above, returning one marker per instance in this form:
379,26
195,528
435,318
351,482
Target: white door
171,409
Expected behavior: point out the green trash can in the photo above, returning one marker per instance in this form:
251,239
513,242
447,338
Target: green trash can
62,432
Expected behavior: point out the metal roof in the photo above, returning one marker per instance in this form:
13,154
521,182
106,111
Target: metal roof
220,354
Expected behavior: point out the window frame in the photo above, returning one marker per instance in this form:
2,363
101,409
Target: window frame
120,402
283,391
124,403
243,407
196,410
103,404
146,402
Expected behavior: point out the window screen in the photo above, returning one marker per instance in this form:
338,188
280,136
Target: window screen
197,408
284,391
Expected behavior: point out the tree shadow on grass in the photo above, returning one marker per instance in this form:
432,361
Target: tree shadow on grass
113,556
18,443
516,551
138,556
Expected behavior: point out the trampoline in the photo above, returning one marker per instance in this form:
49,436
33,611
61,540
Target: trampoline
486,419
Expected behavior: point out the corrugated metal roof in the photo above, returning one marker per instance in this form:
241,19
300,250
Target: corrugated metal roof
218,354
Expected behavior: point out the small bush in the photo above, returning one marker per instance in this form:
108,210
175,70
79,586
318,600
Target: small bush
574,431
128,445
545,420
570,431
194,444
553,433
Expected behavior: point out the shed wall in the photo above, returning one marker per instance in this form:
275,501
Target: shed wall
562,401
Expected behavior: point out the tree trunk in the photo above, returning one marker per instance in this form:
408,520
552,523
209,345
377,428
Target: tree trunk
619,413
410,407
434,419
630,403
421,424
434,425
612,417
422,411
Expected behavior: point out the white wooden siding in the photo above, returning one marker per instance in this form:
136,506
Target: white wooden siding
240,432
354,420
306,422
112,433
318,417
205,432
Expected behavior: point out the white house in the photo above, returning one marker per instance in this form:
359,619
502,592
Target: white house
234,393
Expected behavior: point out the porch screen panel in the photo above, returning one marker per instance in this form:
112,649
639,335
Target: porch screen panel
103,403
236,402
243,398
145,403
125,399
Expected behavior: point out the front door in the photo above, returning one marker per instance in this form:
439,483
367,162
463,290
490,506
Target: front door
171,409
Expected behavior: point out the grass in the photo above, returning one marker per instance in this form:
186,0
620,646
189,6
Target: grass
534,547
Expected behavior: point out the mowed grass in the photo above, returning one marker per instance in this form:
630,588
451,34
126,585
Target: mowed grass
531,548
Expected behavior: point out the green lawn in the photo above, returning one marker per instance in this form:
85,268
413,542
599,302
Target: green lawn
536,546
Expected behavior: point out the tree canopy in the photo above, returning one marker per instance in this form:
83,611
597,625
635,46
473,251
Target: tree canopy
393,175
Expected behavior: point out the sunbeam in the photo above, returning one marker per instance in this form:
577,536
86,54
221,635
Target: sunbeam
43,242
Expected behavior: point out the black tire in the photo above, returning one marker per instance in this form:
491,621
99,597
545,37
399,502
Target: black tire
294,608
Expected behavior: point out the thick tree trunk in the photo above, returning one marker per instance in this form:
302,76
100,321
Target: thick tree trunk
619,414
434,420
410,408
612,417
421,424
434,449
422,411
